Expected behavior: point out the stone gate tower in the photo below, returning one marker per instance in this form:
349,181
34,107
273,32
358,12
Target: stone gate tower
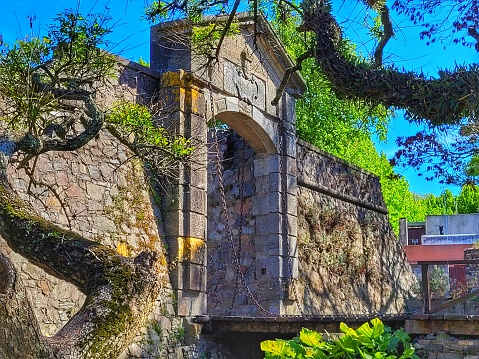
236,88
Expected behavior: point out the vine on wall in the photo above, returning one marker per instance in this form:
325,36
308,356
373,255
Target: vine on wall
337,243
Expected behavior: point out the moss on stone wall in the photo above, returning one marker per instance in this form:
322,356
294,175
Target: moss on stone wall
132,213
350,261
342,246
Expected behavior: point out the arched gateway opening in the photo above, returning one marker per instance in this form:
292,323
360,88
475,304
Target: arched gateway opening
231,265
236,270
257,132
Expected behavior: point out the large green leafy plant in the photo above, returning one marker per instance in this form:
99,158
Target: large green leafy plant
372,340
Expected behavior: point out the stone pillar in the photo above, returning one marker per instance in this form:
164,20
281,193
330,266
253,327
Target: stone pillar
184,200
288,191
269,228
275,210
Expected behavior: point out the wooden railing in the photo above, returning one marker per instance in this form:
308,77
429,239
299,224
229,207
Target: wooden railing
426,288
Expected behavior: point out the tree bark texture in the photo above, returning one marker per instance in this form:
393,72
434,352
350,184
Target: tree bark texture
20,336
120,291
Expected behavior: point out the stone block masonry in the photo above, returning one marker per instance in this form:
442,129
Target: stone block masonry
444,346
237,91
350,261
323,172
96,192
232,233
100,192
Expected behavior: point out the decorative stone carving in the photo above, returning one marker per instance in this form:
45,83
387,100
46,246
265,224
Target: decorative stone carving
240,82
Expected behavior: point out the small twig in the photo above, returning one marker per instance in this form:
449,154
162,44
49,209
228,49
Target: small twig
93,253
227,27
289,72
255,19
30,173
293,6
388,33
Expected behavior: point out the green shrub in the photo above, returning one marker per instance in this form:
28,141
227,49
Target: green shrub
374,341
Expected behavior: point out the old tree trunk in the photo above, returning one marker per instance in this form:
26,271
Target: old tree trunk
51,88
120,291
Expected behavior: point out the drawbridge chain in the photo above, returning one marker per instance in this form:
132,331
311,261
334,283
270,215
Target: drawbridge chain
236,259
241,216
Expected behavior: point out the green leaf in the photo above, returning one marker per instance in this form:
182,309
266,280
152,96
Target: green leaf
365,330
391,344
378,327
275,347
408,351
347,330
310,337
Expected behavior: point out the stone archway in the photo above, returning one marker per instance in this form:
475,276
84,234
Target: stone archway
244,213
258,132
238,90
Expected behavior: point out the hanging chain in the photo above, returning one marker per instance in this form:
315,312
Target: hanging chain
219,172
284,206
241,218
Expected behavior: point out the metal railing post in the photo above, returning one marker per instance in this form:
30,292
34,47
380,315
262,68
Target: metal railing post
426,288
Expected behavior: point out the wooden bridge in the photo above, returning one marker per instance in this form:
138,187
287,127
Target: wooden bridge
429,321
412,323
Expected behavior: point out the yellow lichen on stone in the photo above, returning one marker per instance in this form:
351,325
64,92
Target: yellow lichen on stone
172,78
190,249
193,100
182,90
122,248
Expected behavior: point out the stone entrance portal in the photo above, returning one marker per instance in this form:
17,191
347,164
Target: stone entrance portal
236,89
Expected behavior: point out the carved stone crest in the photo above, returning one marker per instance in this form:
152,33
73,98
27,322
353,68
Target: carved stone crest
240,82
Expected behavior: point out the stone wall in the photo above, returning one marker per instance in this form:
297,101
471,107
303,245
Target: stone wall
325,173
350,261
231,236
444,346
101,192
87,191
472,270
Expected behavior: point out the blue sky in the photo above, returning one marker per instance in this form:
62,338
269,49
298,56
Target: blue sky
407,51
131,33
131,36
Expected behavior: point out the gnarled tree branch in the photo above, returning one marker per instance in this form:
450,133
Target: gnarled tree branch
35,145
17,315
120,291
288,73
447,99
